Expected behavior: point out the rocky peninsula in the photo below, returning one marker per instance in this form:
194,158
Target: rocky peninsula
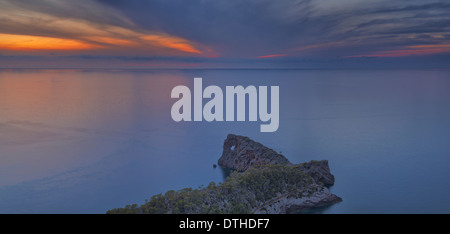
263,181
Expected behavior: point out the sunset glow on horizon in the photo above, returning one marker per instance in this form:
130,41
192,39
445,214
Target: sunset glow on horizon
28,42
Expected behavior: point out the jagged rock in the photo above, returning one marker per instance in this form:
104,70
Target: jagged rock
318,170
241,153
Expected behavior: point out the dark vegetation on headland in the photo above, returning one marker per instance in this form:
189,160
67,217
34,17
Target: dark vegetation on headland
263,182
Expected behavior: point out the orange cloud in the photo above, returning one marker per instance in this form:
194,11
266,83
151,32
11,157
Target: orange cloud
27,42
272,56
138,40
171,42
111,41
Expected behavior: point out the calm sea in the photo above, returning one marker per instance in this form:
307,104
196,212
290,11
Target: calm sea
85,141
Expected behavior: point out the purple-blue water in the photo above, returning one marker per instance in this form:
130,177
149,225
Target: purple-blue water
85,141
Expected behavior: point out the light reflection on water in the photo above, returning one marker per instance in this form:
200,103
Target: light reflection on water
75,141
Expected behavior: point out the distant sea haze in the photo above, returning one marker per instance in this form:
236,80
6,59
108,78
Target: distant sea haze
85,141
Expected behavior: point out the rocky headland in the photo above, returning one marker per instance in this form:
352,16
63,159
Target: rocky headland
263,181
241,153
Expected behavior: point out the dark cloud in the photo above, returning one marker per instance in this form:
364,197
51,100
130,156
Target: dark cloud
242,28
257,27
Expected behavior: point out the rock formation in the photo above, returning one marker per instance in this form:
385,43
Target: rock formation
240,153
263,182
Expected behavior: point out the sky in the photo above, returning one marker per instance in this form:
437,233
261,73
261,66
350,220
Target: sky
225,34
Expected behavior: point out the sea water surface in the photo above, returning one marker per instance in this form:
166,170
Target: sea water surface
85,141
